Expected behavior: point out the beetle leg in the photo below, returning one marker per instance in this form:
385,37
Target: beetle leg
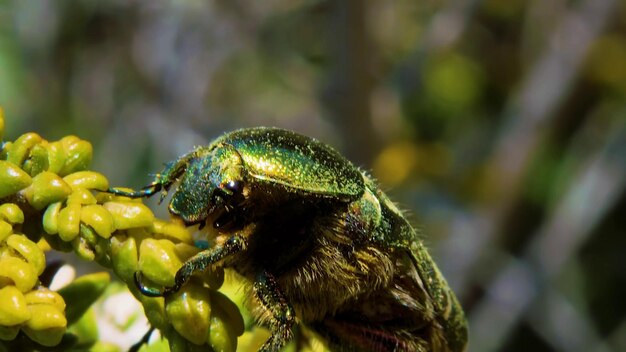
146,191
282,317
198,262
144,340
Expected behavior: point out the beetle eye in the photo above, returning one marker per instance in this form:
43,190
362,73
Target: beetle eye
234,186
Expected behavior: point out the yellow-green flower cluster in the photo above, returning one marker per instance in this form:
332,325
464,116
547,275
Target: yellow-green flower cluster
48,184
25,305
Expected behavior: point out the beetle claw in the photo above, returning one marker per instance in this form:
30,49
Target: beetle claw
144,340
149,291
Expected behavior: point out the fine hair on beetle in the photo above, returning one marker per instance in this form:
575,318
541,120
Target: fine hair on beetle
320,244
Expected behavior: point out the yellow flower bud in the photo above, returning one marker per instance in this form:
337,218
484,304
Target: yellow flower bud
220,336
99,219
78,155
5,230
125,258
45,189
46,326
11,213
154,308
177,343
189,310
43,295
232,315
44,244
172,230
51,218
83,248
13,307
87,180
12,178
127,215
37,160
56,156
90,246
45,316
29,251
23,275
159,261
69,222
81,196
21,148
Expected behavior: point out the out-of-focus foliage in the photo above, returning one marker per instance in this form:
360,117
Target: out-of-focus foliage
499,125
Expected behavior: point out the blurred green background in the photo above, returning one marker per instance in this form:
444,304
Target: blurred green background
500,126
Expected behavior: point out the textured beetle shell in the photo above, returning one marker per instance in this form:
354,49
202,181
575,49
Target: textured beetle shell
295,161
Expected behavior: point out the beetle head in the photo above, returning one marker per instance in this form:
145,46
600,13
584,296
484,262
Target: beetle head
211,185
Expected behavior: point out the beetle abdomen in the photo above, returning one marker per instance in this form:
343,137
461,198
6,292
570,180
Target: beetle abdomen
415,310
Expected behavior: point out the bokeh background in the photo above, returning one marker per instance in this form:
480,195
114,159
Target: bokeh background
500,126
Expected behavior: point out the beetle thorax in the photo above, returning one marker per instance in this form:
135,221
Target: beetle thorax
212,180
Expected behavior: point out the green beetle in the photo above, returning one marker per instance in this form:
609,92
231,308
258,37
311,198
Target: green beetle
321,244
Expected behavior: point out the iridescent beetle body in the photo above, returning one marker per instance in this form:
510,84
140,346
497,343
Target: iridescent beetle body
320,242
